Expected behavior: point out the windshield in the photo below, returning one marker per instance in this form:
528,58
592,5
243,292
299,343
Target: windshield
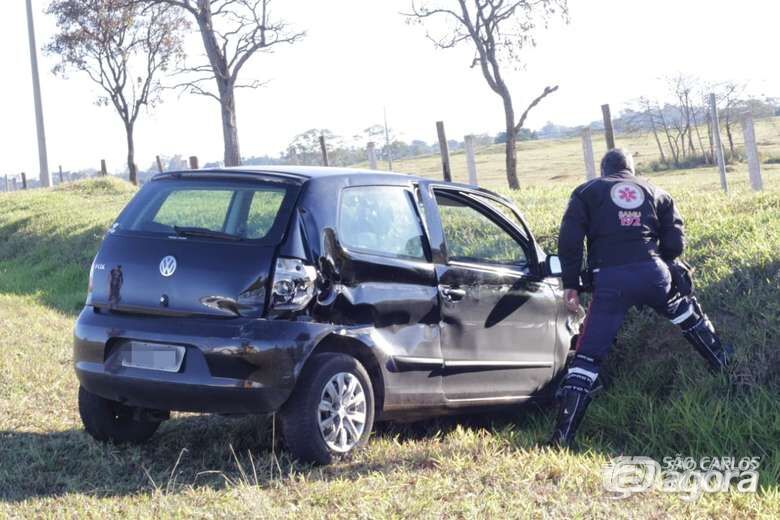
210,208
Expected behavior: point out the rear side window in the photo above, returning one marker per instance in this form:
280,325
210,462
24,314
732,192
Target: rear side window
380,220
211,208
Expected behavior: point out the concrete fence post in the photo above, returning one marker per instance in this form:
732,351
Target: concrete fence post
445,151
471,160
587,153
751,151
193,162
371,153
60,168
6,183
718,145
103,170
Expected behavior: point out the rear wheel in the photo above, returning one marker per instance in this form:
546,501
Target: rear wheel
331,411
107,420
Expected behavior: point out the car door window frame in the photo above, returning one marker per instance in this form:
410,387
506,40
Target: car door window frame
518,235
408,191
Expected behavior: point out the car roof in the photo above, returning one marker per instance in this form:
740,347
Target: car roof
304,173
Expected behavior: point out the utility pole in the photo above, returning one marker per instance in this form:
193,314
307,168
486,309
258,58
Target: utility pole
42,159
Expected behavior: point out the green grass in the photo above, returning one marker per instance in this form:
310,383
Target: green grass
661,401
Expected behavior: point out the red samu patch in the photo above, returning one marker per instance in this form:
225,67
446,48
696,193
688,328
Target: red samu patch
630,218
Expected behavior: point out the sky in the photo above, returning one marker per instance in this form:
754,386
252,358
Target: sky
360,57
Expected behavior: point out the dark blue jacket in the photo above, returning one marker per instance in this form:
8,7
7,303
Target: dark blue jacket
625,220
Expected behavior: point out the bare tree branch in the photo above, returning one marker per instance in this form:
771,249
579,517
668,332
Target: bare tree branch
498,31
546,92
122,48
233,31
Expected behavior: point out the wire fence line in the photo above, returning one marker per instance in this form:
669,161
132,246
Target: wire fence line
717,156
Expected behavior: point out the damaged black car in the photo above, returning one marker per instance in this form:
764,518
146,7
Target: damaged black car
333,297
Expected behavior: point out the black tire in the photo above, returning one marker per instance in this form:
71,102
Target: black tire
301,415
110,421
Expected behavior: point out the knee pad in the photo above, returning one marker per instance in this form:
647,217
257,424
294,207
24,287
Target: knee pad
688,314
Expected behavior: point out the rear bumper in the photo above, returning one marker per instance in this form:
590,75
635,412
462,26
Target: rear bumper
230,366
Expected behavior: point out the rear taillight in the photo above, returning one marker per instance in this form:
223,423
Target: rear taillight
293,286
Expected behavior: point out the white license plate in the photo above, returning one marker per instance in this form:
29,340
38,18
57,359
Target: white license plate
153,356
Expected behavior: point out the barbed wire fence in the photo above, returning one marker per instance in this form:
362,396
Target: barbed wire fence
14,182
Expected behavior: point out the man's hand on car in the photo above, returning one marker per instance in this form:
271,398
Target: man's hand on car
572,299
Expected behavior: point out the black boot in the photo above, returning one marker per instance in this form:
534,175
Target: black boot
707,343
574,403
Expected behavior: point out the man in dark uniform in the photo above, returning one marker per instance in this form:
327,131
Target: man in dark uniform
634,237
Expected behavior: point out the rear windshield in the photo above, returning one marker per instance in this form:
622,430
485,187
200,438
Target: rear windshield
210,208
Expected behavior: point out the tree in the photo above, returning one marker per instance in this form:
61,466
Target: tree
729,99
306,145
498,31
122,47
232,32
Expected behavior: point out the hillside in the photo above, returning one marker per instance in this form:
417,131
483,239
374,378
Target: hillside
661,402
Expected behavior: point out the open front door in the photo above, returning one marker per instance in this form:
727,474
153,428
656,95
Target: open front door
497,314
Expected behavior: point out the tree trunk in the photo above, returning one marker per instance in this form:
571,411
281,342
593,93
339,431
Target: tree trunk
698,135
731,139
225,86
675,154
658,140
511,141
133,174
229,128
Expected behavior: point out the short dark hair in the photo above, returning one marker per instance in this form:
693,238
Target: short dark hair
617,160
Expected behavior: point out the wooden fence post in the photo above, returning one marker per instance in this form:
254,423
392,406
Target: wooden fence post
159,163
751,151
103,170
587,153
24,181
609,132
193,162
718,146
471,160
324,150
445,151
371,152
61,174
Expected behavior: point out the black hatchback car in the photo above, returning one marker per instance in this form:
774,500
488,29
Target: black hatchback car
334,297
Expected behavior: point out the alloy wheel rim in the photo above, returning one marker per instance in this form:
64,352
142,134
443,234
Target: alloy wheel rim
341,413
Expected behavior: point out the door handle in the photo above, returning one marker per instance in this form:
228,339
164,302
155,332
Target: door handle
452,294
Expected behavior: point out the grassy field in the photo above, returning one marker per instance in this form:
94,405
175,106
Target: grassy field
661,401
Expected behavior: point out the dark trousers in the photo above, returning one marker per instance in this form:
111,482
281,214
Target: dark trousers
617,289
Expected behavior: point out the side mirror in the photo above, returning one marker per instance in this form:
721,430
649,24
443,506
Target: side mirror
552,266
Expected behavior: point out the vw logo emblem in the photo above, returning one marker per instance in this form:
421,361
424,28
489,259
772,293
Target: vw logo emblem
167,266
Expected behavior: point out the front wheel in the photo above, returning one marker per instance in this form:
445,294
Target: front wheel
107,420
331,412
